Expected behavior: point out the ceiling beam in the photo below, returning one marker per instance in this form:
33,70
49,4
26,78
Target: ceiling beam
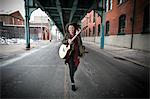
56,15
54,8
58,5
73,10
39,4
77,15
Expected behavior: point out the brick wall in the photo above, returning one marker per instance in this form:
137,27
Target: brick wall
13,18
125,8
113,16
139,14
88,21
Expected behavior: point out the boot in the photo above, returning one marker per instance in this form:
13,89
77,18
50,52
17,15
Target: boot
73,87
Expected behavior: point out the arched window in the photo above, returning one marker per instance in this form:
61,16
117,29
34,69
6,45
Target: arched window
146,23
86,32
94,18
90,19
89,32
108,5
121,1
93,30
99,29
122,20
107,28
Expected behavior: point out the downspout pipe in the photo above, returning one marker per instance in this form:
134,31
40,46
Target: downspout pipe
133,20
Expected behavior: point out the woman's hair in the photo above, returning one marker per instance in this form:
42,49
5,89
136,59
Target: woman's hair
76,26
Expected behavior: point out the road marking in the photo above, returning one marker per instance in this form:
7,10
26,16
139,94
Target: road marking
10,61
65,84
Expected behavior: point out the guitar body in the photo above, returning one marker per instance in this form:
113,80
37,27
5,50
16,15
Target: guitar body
63,50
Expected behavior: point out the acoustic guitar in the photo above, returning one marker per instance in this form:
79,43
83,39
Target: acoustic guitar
64,48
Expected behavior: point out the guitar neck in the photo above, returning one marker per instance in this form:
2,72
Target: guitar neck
75,35
78,32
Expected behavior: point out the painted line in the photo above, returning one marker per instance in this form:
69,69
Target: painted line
10,61
65,84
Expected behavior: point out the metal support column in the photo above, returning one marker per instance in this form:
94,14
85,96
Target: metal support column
28,11
103,24
27,29
101,12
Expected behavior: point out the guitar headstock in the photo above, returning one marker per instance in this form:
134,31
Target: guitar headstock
79,30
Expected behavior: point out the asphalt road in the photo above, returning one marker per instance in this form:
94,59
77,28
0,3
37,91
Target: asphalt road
41,74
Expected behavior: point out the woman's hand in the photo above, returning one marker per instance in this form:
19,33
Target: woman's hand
69,41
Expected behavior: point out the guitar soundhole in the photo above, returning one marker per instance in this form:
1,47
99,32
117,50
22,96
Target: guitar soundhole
63,49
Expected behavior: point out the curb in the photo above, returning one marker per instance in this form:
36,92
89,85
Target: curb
130,60
121,57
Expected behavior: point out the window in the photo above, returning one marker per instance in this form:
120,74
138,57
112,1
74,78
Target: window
1,23
94,16
42,28
86,21
83,34
89,31
108,5
86,32
122,20
93,30
107,28
90,19
121,1
146,22
34,30
99,29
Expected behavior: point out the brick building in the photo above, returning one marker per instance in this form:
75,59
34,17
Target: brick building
14,18
126,24
42,22
12,26
119,19
93,21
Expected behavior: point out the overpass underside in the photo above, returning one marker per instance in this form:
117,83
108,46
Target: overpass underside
61,11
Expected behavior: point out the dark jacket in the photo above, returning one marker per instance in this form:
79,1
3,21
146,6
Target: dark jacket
81,50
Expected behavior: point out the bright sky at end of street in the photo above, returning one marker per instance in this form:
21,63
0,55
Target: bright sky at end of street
17,5
37,12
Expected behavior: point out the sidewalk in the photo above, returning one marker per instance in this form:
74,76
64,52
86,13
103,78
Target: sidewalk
135,56
8,51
